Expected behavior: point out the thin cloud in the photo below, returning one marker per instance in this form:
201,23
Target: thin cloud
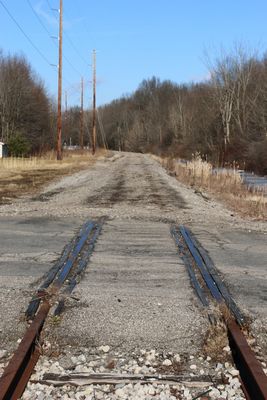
49,18
52,20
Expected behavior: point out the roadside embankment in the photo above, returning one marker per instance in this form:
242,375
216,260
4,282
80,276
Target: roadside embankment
226,186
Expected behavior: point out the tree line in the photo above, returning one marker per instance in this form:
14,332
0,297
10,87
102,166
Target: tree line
224,119
28,114
25,109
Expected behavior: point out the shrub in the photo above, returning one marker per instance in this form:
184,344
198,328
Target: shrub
18,146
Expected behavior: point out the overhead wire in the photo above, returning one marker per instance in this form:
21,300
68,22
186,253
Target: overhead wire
84,24
40,21
75,48
49,5
69,39
31,41
47,31
25,34
52,39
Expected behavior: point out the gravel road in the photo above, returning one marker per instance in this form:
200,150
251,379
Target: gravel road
135,293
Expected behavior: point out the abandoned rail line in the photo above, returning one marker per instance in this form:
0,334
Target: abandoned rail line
67,272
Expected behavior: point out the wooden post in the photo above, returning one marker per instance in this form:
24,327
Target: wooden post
59,116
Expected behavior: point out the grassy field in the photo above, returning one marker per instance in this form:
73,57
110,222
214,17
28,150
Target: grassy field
19,176
226,186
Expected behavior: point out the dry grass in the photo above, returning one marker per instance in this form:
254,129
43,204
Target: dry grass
226,186
216,338
19,176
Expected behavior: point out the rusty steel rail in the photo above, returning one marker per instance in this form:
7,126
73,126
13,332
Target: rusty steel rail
72,282
193,279
217,279
253,378
19,369
252,375
21,365
68,257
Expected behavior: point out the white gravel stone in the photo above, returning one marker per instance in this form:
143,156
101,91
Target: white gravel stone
105,349
126,364
233,372
3,353
215,393
167,363
82,358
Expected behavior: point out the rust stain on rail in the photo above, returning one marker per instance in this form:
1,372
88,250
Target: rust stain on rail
250,369
20,367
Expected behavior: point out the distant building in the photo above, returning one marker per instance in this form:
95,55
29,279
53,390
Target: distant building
3,150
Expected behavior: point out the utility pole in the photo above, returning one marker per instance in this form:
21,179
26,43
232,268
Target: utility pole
94,104
81,116
59,115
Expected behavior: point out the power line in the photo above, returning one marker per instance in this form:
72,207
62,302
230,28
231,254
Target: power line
40,21
84,24
49,5
75,48
31,42
72,66
47,31
25,34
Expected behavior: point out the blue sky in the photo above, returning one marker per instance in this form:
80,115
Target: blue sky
134,39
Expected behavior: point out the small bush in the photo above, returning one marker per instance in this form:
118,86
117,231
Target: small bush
18,146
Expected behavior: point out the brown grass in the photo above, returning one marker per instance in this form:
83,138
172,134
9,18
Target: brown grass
214,342
226,186
21,176
216,337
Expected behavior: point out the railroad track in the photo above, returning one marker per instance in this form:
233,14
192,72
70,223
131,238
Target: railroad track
59,282
66,273
210,288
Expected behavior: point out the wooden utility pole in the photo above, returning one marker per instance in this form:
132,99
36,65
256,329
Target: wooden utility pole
94,104
59,115
81,117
